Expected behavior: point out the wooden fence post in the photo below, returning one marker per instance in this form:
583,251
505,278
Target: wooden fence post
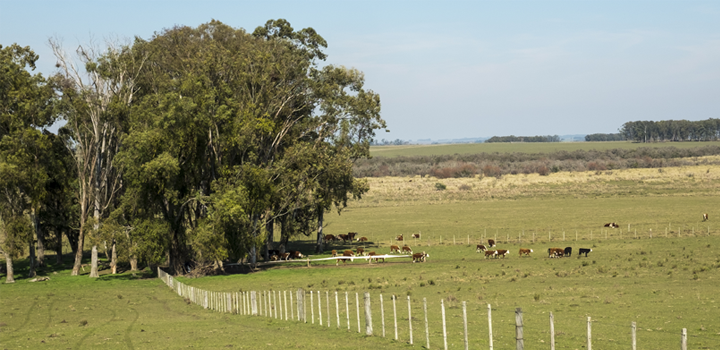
442,308
427,333
337,309
465,324
347,311
395,316
275,304
634,336
382,314
552,331
229,302
312,308
253,303
589,334
357,309
683,339
519,342
368,315
490,326
327,307
286,307
410,319
319,308
292,309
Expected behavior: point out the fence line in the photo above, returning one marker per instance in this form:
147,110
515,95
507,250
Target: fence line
270,304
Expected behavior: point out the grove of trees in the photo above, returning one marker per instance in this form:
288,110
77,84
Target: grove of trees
191,146
513,138
671,130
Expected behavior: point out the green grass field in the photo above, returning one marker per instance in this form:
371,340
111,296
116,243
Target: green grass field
664,283
534,147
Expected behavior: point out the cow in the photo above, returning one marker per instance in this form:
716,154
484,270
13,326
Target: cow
362,239
360,251
330,238
394,249
490,253
406,249
347,253
419,257
491,243
525,251
584,251
415,235
285,256
567,251
376,259
501,252
334,253
480,247
296,255
612,225
351,235
272,252
705,217
274,257
344,237
555,252
399,238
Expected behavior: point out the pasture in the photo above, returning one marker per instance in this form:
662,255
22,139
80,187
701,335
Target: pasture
529,147
661,272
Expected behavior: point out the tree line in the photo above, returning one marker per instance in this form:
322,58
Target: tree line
671,130
604,137
191,147
513,138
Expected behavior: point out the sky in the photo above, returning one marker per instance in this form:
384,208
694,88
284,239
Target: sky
455,69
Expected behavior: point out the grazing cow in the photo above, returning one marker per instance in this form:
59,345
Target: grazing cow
555,252
344,237
346,253
296,255
272,252
360,251
394,249
491,243
490,253
415,235
502,252
330,238
567,251
525,251
285,256
612,225
406,249
584,251
480,247
376,259
274,257
351,235
362,239
399,238
334,253
705,217
419,257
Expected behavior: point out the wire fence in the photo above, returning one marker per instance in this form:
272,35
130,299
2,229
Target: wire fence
443,325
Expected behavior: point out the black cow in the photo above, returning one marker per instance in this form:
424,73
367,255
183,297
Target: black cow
584,251
568,251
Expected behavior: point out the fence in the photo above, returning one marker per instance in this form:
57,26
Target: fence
281,305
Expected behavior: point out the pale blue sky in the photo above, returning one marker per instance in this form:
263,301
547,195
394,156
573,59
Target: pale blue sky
455,69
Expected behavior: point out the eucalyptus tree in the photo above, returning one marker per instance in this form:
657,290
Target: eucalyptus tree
26,106
96,102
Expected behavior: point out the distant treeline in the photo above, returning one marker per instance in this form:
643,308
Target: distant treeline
672,130
513,138
604,137
499,164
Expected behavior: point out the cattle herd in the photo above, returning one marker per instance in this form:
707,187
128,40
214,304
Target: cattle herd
552,252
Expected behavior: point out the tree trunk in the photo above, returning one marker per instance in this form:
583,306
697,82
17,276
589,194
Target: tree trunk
41,246
80,242
32,273
10,277
133,263
58,247
269,239
113,261
320,238
94,263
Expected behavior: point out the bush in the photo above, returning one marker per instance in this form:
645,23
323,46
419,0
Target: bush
440,187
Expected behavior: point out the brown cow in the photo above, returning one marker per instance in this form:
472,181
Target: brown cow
394,249
345,254
501,252
491,243
420,257
344,237
376,259
406,249
480,247
525,251
490,253
294,254
285,256
555,252
330,238
612,225
274,257
415,235
334,253
705,217
351,235
360,251
362,239
399,238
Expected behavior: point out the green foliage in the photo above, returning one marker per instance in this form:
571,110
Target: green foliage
512,138
440,187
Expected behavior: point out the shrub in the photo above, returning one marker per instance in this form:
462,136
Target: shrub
465,187
440,187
